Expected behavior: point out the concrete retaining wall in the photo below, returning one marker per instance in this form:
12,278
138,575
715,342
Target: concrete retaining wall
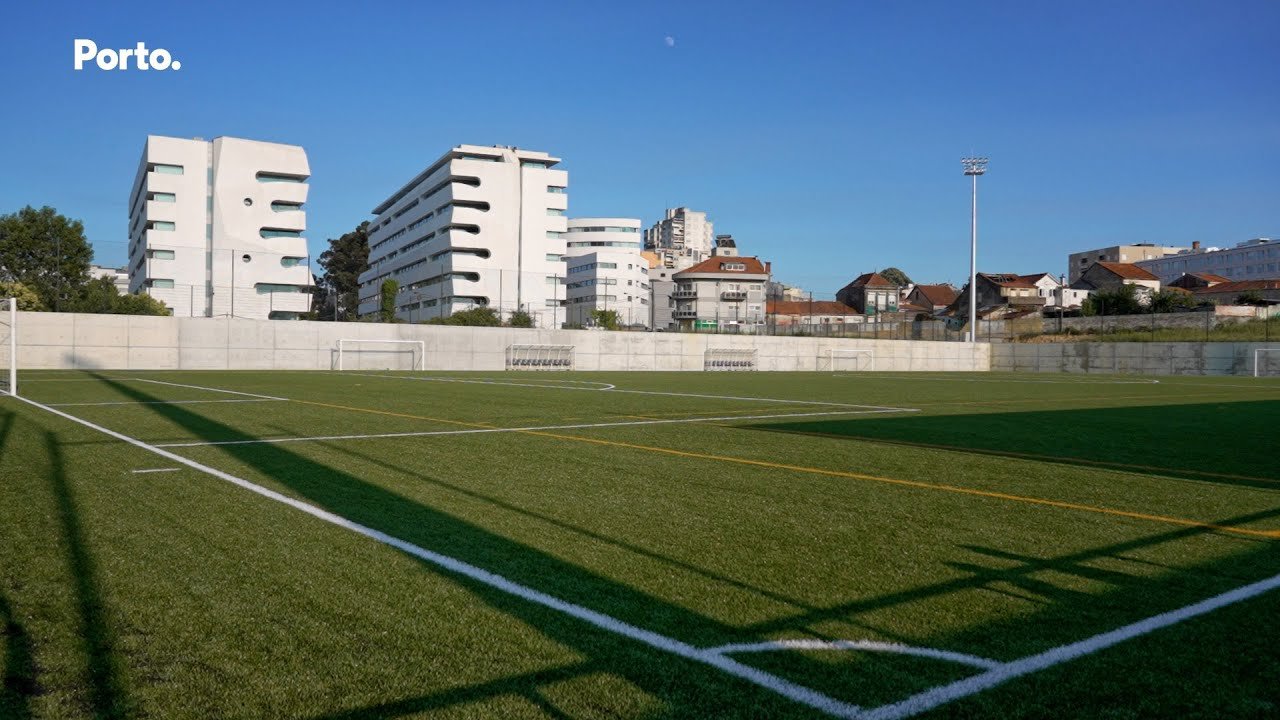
120,342
1125,358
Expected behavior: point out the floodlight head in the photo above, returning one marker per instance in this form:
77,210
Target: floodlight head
974,165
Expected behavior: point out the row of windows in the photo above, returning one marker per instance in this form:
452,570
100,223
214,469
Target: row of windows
447,182
276,232
601,243
593,266
594,281
604,228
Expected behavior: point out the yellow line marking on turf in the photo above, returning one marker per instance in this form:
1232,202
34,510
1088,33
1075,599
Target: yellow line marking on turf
1011,454
918,484
1271,534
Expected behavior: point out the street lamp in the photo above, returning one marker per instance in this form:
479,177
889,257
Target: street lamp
973,166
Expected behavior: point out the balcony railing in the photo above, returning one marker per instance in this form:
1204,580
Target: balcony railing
684,294
684,314
733,295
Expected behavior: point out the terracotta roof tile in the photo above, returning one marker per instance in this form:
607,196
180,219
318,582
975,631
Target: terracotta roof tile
938,294
752,266
1128,271
1239,286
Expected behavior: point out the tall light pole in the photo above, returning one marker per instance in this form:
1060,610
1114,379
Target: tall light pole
973,166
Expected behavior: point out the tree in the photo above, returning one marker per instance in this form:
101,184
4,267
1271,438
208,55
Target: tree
46,252
1120,301
475,317
520,319
100,295
26,297
1251,297
895,276
339,287
1170,300
607,319
387,300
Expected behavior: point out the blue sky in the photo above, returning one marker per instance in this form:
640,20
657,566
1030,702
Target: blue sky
826,137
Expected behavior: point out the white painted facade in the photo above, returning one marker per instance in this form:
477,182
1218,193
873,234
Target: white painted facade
118,276
682,239
605,271
481,226
1256,259
216,228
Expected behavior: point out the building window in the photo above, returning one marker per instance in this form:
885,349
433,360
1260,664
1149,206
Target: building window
533,165
162,197
284,206
555,211
551,235
555,189
163,169
554,257
264,288
275,233
160,254
291,261
159,283
160,225
267,177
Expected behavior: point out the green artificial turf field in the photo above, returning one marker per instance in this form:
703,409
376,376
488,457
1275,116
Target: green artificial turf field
638,545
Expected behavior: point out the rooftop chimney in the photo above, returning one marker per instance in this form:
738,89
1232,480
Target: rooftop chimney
1195,244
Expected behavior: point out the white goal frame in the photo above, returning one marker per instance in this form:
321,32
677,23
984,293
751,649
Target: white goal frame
418,363
540,357
1257,357
834,354
730,359
11,339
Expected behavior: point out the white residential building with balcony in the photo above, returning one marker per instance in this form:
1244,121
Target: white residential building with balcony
480,227
605,271
216,228
681,239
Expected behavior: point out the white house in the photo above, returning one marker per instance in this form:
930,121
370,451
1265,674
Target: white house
605,271
216,228
480,227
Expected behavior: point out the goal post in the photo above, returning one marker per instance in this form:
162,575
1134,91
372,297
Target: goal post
9,355
356,354
721,359
847,359
1266,362
539,357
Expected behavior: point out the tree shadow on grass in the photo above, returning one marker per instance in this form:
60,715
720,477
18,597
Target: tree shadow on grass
1229,443
20,682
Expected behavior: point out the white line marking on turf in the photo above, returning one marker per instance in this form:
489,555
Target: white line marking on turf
154,470
942,694
532,428
490,381
657,392
162,402
201,387
868,645
786,688
878,376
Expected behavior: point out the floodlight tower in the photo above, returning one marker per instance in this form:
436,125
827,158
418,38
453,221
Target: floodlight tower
973,166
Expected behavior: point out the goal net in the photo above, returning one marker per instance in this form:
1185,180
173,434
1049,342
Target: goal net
842,359
539,357
729,359
381,354
1266,362
8,346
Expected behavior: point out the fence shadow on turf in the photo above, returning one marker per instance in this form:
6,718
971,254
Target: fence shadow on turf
664,677
19,670
1229,443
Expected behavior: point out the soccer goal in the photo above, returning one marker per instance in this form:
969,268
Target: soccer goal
539,357
729,359
844,359
1266,362
381,354
9,338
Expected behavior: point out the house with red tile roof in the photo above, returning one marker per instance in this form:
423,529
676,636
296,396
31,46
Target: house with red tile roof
1195,281
933,298
1111,275
1227,293
816,312
723,292
870,293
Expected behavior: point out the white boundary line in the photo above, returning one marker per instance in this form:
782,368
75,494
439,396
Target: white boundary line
881,376
868,645
942,694
612,389
201,387
532,428
161,402
154,470
786,688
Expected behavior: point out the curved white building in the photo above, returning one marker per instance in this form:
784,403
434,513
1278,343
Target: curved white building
604,271
216,228
481,226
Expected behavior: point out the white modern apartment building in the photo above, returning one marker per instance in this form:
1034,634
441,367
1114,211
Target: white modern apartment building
1256,259
118,276
216,228
481,226
682,239
605,271
1078,262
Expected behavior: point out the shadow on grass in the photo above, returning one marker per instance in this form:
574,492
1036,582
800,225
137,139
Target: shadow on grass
105,690
687,688
1231,443
20,683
